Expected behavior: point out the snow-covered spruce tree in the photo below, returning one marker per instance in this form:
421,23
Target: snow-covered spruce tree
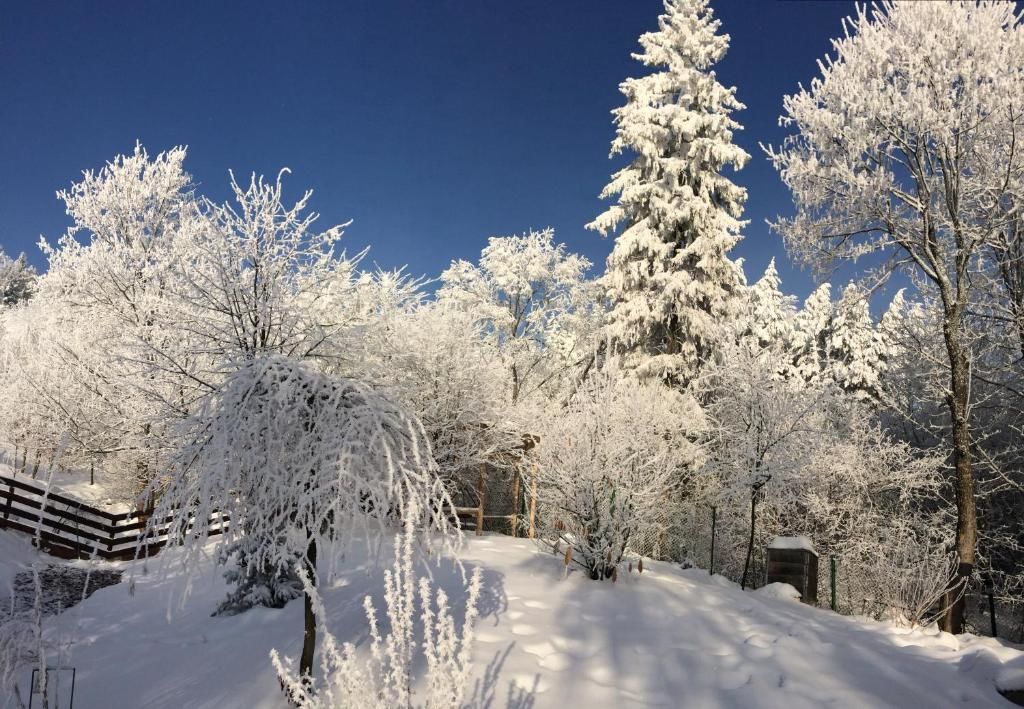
669,276
907,145
768,319
811,328
613,467
385,677
299,462
17,279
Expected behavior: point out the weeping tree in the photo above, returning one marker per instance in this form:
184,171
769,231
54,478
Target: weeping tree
300,463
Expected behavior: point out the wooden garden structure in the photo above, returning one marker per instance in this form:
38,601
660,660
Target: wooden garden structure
497,490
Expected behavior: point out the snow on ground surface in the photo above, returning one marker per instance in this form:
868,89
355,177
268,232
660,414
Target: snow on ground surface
668,637
16,554
780,591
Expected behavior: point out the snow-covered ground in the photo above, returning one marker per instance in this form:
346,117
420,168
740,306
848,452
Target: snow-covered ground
16,554
668,637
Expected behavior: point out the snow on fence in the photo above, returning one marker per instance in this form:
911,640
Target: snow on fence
71,528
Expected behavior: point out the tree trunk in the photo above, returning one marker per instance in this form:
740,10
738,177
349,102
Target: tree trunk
309,639
966,516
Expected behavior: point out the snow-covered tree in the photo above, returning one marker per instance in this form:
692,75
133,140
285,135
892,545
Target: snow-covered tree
95,322
298,461
855,347
811,328
256,277
17,279
824,469
531,295
442,367
906,145
669,276
768,319
613,468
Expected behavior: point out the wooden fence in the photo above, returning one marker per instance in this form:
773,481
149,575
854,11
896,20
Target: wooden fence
70,528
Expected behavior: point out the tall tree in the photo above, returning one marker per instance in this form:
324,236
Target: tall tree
907,145
670,274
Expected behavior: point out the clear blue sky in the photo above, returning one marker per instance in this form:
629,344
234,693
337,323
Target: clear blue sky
432,124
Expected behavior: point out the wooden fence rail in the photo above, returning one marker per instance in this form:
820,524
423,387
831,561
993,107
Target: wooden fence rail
70,528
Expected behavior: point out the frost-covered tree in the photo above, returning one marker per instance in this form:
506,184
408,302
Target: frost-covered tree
531,295
811,326
669,276
907,145
298,461
95,320
443,368
17,279
256,277
855,348
826,470
768,319
613,468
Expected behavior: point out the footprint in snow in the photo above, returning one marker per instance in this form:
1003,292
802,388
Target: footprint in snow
531,683
556,662
762,641
577,647
486,637
733,678
523,629
515,615
539,649
539,605
603,675
646,699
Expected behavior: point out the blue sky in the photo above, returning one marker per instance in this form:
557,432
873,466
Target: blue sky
433,125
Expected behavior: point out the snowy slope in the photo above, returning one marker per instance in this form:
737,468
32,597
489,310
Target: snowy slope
664,638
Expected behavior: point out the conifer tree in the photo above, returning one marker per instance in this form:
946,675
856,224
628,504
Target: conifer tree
669,273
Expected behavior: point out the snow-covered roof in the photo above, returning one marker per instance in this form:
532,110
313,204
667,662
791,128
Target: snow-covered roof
793,543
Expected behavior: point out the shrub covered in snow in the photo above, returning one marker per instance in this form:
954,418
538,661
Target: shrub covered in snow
612,468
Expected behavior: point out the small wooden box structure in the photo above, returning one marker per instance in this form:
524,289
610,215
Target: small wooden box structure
793,560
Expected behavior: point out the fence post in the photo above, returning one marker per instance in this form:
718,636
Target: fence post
480,494
515,503
714,521
10,501
834,563
990,592
533,503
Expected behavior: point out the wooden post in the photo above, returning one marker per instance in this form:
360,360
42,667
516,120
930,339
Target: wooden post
515,503
533,503
10,502
480,499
